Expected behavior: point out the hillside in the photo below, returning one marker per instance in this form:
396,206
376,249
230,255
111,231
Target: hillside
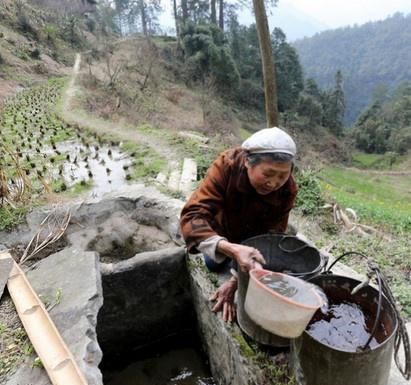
38,40
373,55
85,114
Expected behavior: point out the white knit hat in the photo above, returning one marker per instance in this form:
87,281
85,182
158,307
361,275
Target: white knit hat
270,140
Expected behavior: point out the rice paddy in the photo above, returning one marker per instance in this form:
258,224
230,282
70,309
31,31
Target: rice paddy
41,153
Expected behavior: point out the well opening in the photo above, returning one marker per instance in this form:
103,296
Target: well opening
147,327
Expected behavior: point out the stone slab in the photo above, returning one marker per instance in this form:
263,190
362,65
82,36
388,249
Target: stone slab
76,275
188,176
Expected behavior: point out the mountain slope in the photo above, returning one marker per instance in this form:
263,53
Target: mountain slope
373,55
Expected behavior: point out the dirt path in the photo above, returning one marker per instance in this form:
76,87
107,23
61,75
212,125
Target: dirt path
125,132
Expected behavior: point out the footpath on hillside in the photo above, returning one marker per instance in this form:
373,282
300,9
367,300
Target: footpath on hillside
180,173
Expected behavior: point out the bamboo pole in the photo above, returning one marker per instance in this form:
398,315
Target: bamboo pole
47,341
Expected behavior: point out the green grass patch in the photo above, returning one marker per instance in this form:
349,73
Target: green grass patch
381,199
11,217
80,187
147,163
188,147
391,255
377,161
244,133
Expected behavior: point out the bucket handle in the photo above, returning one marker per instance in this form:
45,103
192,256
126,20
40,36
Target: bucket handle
377,318
380,290
282,248
401,335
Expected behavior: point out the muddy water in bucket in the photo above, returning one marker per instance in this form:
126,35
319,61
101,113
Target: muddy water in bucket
345,326
330,351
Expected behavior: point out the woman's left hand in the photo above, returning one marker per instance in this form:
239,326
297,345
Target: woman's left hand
225,299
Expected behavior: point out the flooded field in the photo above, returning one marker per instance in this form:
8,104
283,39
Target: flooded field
40,152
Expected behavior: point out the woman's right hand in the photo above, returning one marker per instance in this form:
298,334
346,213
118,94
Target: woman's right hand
247,257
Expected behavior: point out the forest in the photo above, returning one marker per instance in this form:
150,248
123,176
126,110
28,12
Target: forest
373,58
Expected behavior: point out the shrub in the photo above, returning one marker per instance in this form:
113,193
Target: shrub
309,198
51,33
24,24
35,54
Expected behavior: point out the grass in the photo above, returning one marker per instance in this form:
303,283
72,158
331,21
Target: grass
147,163
244,134
391,255
187,147
15,347
381,199
385,161
11,217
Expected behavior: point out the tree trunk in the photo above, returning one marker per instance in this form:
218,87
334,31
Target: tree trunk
176,20
143,17
221,15
184,10
267,59
213,12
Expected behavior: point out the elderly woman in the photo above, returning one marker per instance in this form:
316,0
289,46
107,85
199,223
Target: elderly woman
247,191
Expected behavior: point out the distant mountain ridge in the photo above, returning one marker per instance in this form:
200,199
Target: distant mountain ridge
373,55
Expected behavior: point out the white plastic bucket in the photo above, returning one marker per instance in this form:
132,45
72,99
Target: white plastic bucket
285,316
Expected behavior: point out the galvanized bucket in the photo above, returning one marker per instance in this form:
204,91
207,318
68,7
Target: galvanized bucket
283,253
319,364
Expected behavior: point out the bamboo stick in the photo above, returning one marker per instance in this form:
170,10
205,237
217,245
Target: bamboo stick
47,341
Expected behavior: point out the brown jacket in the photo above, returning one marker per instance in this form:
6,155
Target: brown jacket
226,204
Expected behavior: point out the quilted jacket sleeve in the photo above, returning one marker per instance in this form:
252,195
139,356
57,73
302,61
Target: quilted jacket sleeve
198,215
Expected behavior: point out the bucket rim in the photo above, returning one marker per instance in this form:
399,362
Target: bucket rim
253,273
322,258
359,352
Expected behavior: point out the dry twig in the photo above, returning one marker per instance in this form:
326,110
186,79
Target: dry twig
51,229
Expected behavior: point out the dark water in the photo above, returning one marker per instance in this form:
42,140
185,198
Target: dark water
183,366
345,326
301,292
280,285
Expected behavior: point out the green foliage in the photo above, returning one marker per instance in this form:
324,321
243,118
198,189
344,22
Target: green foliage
246,53
207,56
35,54
289,73
11,217
24,24
309,198
51,32
334,106
310,107
147,163
375,161
383,200
386,126
71,32
371,55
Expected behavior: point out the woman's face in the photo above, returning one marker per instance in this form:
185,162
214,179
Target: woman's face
268,176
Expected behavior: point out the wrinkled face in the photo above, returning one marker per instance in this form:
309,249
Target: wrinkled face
268,176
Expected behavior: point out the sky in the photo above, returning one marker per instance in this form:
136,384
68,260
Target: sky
299,18
338,13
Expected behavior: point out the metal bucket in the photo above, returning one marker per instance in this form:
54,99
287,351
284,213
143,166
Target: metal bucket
283,253
319,364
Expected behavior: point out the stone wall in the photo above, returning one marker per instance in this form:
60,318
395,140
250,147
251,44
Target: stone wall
146,299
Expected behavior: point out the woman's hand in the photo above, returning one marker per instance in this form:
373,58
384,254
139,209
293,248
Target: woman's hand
247,257
225,299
